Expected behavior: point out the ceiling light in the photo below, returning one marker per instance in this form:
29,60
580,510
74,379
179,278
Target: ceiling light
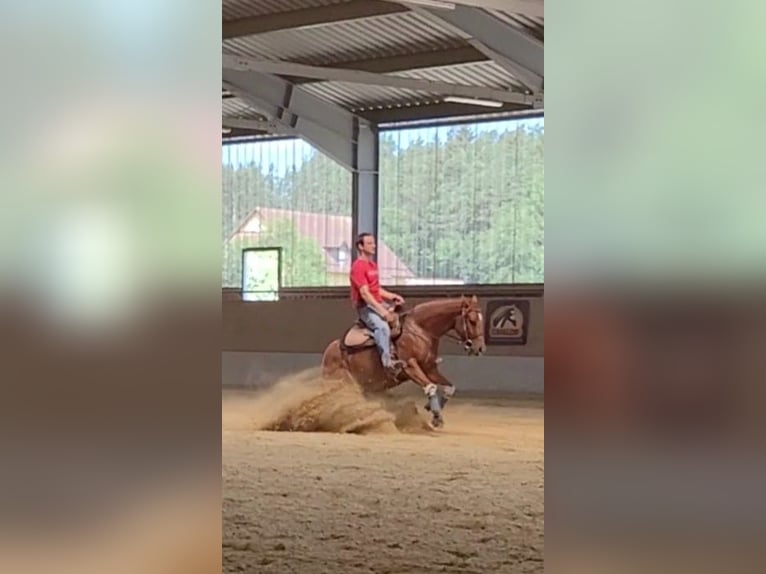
226,130
473,102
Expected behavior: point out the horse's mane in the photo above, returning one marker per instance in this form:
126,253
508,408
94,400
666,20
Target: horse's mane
430,306
427,305
435,303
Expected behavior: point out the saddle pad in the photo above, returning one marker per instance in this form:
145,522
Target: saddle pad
358,336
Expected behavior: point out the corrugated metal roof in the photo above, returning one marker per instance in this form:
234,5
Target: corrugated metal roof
389,35
532,26
233,9
236,108
363,96
486,73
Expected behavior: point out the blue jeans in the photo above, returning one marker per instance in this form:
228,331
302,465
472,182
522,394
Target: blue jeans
381,332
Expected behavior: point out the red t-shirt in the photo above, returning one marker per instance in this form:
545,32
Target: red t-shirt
364,272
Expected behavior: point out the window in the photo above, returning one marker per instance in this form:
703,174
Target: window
284,193
261,272
462,203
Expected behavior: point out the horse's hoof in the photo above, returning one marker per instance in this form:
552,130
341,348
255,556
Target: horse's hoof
437,422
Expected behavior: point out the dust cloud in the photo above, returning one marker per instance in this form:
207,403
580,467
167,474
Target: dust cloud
306,402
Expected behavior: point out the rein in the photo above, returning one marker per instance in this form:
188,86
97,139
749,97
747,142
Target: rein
451,334
455,337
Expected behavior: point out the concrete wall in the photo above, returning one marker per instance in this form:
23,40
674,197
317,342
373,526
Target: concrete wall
263,341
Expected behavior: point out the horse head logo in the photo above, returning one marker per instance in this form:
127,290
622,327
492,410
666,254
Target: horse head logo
507,321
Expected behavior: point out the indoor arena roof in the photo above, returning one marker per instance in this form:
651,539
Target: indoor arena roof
381,61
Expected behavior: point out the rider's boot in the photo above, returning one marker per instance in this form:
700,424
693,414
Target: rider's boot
396,365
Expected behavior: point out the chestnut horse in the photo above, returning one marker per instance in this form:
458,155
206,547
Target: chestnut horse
415,339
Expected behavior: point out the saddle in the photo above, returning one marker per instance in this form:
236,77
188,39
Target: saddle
359,337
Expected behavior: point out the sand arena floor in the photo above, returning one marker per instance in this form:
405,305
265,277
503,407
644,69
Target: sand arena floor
396,498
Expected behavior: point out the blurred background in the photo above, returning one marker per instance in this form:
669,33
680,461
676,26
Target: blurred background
109,346
655,311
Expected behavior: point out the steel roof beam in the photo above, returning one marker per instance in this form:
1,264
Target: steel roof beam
521,54
233,62
387,64
264,126
326,126
434,111
531,8
238,133
414,61
305,17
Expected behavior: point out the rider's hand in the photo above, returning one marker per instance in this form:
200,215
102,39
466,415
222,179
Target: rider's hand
398,300
389,316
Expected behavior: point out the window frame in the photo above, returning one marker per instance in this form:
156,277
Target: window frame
244,276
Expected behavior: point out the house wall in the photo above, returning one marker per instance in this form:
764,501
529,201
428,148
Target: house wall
263,341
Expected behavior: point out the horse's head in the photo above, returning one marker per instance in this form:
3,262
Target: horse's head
469,326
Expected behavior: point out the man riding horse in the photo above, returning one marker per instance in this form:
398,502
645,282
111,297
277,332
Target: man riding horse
415,338
372,302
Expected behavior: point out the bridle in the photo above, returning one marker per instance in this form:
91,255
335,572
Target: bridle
454,333
463,338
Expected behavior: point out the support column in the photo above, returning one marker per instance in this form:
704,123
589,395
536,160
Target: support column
364,181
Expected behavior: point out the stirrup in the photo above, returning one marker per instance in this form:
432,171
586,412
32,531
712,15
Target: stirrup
396,366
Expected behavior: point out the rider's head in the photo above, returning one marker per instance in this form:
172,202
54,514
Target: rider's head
365,243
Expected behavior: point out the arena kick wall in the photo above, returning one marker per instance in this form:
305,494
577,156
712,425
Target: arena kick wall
264,341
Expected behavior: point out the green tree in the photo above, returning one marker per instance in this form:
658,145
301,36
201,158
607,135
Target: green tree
320,185
456,203
466,204
244,188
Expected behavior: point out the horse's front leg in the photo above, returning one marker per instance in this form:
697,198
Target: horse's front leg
447,387
415,372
